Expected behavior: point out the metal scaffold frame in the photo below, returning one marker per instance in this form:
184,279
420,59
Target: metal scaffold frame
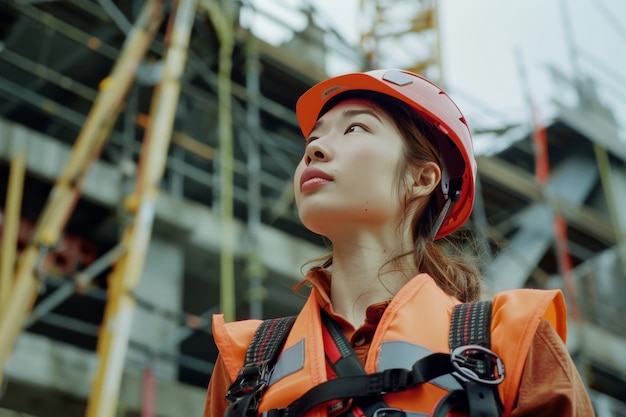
43,311
127,257
222,18
414,23
243,156
66,190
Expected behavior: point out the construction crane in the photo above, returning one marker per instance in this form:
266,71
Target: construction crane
402,34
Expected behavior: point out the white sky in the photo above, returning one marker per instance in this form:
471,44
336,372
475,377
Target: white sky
483,42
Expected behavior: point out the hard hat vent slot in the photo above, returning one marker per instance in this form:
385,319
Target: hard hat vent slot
398,78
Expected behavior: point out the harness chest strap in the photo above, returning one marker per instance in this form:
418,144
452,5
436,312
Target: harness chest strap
349,381
478,369
471,361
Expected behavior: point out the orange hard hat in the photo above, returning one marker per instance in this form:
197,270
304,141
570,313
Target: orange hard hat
434,106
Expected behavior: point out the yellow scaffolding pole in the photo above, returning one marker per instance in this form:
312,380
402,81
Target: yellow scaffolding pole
222,18
116,326
66,190
11,224
604,166
412,24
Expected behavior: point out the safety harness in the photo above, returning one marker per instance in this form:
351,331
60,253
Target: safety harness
470,361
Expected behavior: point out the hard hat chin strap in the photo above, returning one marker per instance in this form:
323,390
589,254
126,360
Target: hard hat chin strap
451,198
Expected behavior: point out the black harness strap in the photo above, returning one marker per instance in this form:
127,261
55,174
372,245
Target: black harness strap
471,325
268,339
346,365
245,393
365,389
363,386
471,362
478,369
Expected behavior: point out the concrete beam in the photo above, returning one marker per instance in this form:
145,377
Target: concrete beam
47,156
510,176
618,186
570,182
512,267
61,368
595,127
523,184
603,347
605,405
586,219
601,337
10,413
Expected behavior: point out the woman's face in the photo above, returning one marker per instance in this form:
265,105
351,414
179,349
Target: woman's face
348,174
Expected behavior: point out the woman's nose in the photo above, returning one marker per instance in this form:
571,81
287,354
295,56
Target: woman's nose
315,151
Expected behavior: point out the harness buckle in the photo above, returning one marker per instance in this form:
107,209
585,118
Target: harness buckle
395,379
389,412
251,379
477,363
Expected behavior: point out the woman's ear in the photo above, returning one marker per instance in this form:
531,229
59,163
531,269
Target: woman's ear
425,179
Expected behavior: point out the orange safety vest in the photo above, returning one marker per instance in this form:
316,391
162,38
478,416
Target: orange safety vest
415,324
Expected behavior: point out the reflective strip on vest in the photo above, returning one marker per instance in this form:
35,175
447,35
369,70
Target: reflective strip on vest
400,354
291,360
393,354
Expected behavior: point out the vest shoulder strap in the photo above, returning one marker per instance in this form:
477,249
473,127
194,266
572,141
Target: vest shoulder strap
471,325
267,341
478,368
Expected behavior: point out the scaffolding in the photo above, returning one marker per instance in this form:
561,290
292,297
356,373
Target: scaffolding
242,175
127,257
67,188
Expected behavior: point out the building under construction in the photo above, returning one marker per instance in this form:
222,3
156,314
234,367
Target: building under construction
146,157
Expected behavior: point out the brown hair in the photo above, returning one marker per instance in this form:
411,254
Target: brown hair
441,259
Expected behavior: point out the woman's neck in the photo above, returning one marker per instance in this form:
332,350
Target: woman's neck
362,275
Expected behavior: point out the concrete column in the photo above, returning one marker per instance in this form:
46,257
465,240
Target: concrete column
161,285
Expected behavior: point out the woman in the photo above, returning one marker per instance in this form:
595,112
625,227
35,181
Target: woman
388,170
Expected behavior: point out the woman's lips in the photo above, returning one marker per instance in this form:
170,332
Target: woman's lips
313,177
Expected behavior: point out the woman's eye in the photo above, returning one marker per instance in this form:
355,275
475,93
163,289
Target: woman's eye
355,128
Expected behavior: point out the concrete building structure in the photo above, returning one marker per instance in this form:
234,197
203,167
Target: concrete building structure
54,61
